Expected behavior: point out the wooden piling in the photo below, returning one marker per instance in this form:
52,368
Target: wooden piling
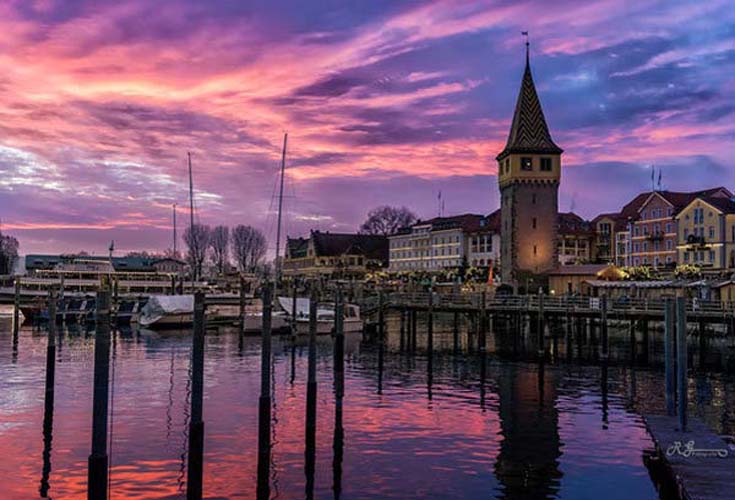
430,331
339,334
243,305
414,328
311,393
541,326
670,355
16,308
97,472
482,337
381,341
402,330
196,424
455,332
681,361
48,403
604,347
264,402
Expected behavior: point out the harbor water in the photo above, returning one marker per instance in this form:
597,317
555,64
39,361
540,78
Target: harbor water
498,426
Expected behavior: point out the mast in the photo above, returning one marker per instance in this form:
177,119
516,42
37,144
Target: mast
280,209
191,217
175,250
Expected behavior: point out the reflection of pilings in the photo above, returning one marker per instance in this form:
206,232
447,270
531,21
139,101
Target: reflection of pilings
264,402
339,336
196,425
430,343
381,341
603,386
603,328
482,338
541,326
48,403
311,388
16,319
455,332
414,319
97,475
402,330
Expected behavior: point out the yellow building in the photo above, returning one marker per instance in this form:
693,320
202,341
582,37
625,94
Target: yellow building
706,233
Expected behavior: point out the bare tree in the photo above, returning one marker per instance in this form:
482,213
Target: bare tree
8,253
220,243
197,238
248,247
387,220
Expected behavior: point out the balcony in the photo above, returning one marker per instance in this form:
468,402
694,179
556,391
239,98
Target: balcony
696,241
655,236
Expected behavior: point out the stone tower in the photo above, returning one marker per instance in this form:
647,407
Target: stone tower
529,170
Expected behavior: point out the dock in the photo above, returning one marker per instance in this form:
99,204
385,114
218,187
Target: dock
701,463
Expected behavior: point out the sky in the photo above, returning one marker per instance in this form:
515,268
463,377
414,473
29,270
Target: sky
384,102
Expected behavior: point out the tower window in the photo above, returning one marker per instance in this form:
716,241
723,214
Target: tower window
534,222
526,163
533,198
546,164
534,249
507,165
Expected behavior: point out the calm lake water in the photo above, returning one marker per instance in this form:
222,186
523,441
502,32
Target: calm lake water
567,429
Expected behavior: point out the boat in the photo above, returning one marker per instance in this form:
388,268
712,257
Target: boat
324,316
280,321
7,313
127,311
167,311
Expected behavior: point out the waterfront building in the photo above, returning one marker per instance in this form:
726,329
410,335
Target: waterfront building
70,262
706,233
529,171
653,225
575,239
335,255
607,243
446,243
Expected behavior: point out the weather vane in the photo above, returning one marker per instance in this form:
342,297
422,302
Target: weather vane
525,33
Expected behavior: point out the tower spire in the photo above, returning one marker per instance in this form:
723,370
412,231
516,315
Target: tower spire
528,48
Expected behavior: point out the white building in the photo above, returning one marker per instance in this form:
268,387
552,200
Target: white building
446,242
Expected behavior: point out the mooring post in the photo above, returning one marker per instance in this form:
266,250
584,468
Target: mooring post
48,403
381,341
402,330
243,305
196,424
414,329
681,360
482,338
603,328
338,437
264,402
173,284
670,354
339,334
311,392
97,473
16,308
541,326
430,328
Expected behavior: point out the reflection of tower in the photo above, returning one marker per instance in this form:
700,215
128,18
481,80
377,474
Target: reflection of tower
527,466
529,170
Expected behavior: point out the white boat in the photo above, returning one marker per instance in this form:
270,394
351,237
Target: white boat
324,316
254,321
167,311
7,311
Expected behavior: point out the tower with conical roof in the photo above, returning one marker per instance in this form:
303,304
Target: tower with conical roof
529,170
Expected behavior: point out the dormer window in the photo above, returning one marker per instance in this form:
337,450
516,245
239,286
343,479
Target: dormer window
546,164
527,163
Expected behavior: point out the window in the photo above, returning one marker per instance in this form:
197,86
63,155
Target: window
711,255
546,164
534,223
526,163
686,232
712,232
668,227
534,249
686,256
533,200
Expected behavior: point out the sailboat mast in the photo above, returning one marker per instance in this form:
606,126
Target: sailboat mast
280,209
191,215
175,248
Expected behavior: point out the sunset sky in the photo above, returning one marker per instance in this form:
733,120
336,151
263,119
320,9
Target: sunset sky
385,102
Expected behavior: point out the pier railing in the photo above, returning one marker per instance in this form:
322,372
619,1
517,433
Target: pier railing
551,304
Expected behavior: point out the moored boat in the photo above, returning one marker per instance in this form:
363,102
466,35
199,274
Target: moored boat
167,311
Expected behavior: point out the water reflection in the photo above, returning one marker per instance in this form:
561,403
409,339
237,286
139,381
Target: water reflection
499,425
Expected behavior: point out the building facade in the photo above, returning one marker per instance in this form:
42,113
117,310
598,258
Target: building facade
335,255
575,239
706,233
529,171
440,243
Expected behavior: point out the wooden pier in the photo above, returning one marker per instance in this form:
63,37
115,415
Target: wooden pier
700,463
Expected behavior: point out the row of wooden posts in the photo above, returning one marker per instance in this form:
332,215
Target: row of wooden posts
98,480
98,470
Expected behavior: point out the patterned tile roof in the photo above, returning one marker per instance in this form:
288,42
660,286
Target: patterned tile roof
529,132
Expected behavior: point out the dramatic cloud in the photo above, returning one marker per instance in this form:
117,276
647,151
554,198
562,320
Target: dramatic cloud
384,102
